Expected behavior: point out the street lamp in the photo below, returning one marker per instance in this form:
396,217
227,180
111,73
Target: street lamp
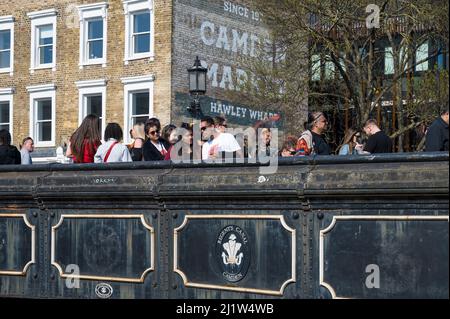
197,86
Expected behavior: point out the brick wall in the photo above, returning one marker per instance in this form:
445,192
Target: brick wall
67,68
194,34
178,40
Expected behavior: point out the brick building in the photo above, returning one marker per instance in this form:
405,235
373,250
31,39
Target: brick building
124,60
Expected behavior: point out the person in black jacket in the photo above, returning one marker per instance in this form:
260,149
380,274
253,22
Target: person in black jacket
437,134
378,141
9,154
155,148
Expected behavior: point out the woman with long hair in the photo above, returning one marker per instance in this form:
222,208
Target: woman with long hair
155,148
169,134
85,141
185,150
350,142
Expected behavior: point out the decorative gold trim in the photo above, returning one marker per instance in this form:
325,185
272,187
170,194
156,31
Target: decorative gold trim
238,289
99,216
33,246
323,232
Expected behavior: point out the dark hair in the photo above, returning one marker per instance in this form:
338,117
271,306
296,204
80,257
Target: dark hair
26,139
186,126
167,130
151,123
288,144
5,137
218,120
113,130
312,118
89,131
208,119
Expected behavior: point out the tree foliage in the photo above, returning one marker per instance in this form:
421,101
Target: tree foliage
322,54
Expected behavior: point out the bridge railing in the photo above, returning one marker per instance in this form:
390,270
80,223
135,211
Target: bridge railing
320,227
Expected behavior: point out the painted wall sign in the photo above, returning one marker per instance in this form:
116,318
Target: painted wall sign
221,33
234,112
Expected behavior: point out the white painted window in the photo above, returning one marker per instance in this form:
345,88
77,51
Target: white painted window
138,101
42,114
92,100
315,67
6,110
93,33
43,39
421,55
7,44
139,29
388,61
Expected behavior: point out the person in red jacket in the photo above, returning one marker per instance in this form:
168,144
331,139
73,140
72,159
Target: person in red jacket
85,141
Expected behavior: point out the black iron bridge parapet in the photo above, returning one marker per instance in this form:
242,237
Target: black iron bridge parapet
321,227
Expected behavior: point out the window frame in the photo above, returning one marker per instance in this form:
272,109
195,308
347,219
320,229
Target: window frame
91,87
41,46
37,93
132,85
132,7
329,69
7,23
389,55
316,65
424,66
38,19
88,13
7,95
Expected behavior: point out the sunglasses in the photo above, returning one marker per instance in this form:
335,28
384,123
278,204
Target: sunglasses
154,132
293,152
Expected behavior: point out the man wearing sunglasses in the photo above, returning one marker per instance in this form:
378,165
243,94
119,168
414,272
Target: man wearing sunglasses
311,142
155,148
207,127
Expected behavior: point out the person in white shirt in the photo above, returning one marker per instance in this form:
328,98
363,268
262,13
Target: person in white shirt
222,142
26,149
112,150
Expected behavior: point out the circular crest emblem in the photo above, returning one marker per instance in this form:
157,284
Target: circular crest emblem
103,291
233,253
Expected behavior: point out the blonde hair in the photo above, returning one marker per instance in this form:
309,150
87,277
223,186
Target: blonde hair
139,131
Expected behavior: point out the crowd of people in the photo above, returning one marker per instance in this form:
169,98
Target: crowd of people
151,142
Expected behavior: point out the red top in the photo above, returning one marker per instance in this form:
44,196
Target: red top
167,155
88,153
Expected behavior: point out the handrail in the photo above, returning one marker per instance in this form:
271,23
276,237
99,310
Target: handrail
286,161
